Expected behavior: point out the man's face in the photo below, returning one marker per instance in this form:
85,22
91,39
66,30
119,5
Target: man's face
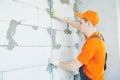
83,24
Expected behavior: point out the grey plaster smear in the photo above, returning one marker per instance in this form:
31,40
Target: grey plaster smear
65,1
67,30
76,45
54,44
10,33
80,36
81,40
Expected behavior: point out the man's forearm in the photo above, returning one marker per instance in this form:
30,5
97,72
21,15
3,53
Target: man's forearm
71,22
70,66
67,66
66,19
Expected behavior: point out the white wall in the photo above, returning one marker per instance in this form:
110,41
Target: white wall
108,26
25,44
1,76
28,60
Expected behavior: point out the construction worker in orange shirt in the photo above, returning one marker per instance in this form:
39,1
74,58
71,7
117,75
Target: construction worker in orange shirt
91,59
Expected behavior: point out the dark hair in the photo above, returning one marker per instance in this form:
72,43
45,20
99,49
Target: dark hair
85,20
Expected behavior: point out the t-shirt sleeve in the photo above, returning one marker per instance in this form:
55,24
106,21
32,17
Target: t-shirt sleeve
87,53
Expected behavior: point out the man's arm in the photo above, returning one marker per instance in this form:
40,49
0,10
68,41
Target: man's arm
71,22
59,17
70,66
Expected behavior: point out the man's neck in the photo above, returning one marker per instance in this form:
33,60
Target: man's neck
89,33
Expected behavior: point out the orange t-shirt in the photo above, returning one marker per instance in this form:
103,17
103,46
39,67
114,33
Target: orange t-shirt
93,57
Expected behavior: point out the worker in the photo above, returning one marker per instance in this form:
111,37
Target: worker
91,59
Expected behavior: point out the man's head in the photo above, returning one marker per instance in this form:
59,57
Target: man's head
87,21
90,15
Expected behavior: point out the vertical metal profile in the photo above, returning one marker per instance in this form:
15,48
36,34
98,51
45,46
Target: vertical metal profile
50,66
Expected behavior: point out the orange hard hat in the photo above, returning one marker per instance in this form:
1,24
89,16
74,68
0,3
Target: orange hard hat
90,15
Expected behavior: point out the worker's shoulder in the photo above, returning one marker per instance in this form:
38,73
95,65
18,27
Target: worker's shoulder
96,41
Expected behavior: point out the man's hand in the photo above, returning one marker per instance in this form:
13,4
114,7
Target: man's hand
54,14
53,61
